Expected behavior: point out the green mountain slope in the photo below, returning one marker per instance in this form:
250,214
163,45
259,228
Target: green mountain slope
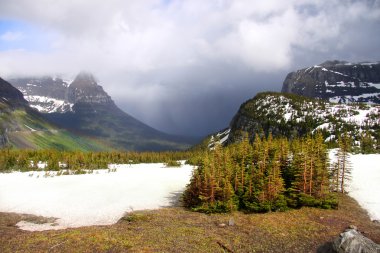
23,127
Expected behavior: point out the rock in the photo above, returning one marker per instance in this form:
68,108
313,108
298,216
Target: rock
336,81
353,227
351,241
231,222
376,221
222,225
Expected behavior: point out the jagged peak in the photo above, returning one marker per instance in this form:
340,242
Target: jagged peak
84,79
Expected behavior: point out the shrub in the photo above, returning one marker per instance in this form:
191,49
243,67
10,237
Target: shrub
173,163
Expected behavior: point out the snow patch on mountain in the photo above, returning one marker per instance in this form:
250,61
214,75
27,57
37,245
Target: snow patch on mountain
48,104
354,99
328,116
31,129
220,138
337,81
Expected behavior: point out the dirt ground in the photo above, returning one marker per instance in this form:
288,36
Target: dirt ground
179,230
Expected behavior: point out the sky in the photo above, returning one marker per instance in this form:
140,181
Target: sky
184,67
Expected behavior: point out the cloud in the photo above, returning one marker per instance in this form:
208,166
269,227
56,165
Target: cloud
162,60
11,36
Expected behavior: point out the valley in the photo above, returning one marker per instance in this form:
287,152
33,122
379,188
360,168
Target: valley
73,163
190,126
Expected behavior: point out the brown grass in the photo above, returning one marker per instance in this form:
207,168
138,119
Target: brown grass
179,230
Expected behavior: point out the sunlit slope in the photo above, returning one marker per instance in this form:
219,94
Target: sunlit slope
24,128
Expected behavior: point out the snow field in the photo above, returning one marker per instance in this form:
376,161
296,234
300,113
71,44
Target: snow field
364,182
100,198
364,186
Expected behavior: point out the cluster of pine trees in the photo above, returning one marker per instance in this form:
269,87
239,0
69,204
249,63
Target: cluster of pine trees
267,174
27,160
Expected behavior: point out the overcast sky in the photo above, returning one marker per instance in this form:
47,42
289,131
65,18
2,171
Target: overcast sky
184,67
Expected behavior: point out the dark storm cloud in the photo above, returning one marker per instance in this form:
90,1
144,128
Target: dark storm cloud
185,66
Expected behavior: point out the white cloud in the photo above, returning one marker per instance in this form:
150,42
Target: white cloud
11,36
146,35
138,43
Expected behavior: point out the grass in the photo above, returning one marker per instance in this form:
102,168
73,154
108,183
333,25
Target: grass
47,136
178,230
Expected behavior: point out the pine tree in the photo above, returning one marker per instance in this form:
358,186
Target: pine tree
344,143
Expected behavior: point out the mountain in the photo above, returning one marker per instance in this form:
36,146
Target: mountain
23,127
337,81
45,94
82,106
290,115
10,96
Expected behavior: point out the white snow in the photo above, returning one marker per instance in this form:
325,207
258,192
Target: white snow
30,84
223,140
31,129
369,63
364,186
288,116
48,104
376,85
100,198
330,138
222,136
323,126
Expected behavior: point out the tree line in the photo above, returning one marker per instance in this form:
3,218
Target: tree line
27,160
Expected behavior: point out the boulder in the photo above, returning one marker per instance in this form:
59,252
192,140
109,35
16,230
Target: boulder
352,241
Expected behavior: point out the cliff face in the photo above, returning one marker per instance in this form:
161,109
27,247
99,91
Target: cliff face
85,89
10,95
337,81
55,95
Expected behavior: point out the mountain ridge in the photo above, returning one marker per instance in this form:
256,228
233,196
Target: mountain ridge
292,116
92,112
337,81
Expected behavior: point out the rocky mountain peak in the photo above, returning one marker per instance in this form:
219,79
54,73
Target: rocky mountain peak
56,95
85,89
84,79
337,81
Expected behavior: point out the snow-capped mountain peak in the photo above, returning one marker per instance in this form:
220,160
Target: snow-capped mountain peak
337,81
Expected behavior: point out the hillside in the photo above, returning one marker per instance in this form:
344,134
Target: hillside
83,107
23,127
291,116
337,81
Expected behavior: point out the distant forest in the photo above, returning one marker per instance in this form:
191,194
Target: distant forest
78,161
